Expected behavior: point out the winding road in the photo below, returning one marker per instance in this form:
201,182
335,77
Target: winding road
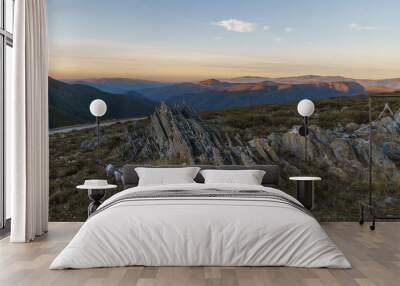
92,125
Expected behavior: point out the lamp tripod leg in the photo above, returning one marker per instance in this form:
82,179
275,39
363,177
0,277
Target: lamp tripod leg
98,139
305,137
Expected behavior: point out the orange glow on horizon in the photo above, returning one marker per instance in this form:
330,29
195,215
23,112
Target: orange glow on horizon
173,65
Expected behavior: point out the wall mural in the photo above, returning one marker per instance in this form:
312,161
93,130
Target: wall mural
218,82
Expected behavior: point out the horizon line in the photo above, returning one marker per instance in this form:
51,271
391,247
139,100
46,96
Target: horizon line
211,77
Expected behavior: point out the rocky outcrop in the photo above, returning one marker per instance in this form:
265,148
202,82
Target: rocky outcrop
178,135
344,152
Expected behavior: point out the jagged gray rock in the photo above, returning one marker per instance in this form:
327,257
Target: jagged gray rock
178,135
181,134
392,150
91,143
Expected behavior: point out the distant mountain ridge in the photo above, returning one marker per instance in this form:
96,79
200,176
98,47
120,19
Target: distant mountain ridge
392,83
163,93
159,91
338,83
119,85
69,104
228,95
205,95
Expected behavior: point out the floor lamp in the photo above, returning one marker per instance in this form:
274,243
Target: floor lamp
98,108
305,108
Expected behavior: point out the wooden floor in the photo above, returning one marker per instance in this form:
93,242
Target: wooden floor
375,257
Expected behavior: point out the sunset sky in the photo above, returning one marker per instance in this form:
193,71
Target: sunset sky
177,40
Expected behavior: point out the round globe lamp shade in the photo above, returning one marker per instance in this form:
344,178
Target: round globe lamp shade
305,108
98,107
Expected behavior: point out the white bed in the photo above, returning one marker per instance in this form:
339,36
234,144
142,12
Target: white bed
202,231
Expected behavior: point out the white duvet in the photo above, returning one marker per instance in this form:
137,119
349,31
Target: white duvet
193,231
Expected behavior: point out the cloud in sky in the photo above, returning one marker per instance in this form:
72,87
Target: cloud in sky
235,25
358,27
289,29
278,40
266,28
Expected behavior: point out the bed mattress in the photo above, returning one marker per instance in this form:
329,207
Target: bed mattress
201,225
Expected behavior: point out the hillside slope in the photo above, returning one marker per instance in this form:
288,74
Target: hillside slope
165,92
119,85
69,104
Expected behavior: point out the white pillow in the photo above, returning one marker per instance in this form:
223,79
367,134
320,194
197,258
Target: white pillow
166,176
247,177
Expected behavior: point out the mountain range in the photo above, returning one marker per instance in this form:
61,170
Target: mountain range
392,83
69,104
244,91
160,91
227,95
179,89
69,101
119,85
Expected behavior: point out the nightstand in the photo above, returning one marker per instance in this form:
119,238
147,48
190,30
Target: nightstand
305,190
96,192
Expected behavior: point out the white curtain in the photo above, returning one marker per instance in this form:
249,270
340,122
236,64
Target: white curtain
27,124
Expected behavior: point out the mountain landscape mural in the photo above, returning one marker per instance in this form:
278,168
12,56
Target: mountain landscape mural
218,82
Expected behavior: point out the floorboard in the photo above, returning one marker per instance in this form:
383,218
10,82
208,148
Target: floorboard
375,257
